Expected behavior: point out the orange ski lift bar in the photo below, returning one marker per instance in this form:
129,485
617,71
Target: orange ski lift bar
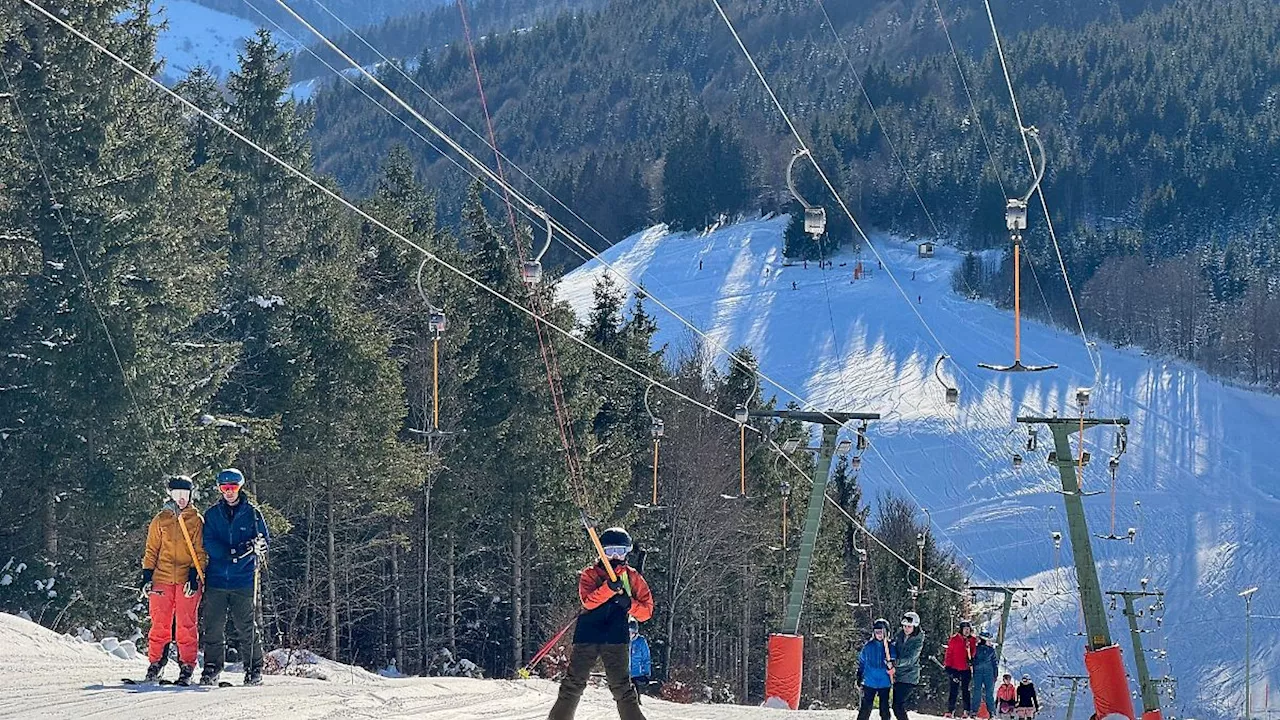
741,414
657,429
532,270
1015,218
437,323
815,218
952,393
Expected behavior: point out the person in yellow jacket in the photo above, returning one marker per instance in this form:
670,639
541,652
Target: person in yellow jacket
172,570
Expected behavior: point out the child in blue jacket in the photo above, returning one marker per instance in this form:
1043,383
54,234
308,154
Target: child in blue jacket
641,661
875,668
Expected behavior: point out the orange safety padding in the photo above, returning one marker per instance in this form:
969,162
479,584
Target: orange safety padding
1108,682
1153,715
982,710
783,672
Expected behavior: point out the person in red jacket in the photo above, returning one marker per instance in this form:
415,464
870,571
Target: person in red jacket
601,632
958,663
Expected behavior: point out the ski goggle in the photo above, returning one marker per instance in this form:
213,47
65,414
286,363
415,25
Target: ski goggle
180,495
908,622
616,552
228,487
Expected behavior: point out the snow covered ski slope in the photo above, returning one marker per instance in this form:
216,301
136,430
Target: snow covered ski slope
52,677
198,36
1199,459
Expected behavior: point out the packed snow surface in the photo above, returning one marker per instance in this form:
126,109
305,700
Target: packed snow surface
1199,457
50,676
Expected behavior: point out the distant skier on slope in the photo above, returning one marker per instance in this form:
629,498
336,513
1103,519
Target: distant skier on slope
984,675
876,671
906,646
235,536
171,580
601,632
958,663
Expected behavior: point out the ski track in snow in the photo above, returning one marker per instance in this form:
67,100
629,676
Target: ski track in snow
51,676
1198,460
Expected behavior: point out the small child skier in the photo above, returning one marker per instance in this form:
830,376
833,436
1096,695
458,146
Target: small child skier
1028,703
1007,696
641,660
601,632
172,566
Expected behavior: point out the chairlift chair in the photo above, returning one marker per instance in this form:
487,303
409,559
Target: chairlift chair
532,270
815,218
952,394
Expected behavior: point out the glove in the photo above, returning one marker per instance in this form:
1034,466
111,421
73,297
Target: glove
616,585
260,545
145,588
622,601
193,583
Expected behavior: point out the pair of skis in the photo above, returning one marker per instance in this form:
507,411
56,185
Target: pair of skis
174,683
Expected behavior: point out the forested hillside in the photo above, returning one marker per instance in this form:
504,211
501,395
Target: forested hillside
1160,126
175,302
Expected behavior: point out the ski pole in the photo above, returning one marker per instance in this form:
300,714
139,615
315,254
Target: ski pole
546,649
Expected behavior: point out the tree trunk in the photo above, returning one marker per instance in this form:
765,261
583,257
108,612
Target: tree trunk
424,618
744,640
451,615
333,579
397,609
50,522
517,596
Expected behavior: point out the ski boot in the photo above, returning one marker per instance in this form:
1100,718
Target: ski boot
184,674
253,674
209,676
153,672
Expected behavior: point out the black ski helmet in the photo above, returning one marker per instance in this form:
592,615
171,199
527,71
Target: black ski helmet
179,482
880,624
615,536
633,625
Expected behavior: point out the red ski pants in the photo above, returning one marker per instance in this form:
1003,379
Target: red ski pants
171,609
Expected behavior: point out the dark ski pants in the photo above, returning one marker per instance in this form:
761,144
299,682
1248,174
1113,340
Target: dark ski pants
959,684
869,695
238,604
617,668
904,699
984,690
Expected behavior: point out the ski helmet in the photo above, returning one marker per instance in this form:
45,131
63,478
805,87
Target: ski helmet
179,482
180,490
231,476
965,624
633,626
911,618
616,542
880,624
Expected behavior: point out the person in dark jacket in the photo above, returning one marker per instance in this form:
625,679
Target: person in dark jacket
641,658
875,667
235,535
601,632
1028,704
906,646
984,675
958,663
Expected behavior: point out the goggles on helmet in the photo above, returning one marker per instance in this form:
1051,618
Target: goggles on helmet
616,552
229,487
180,496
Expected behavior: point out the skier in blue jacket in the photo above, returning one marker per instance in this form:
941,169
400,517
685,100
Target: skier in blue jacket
984,675
235,535
875,668
641,661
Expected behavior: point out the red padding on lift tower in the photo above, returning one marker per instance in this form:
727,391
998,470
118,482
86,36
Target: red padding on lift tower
783,672
1153,715
1110,687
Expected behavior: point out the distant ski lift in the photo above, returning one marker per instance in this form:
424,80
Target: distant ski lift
1113,465
815,218
855,462
843,447
790,445
1057,539
952,394
1133,534
532,271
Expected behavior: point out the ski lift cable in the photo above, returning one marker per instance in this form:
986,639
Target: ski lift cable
844,52
1017,112
480,285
